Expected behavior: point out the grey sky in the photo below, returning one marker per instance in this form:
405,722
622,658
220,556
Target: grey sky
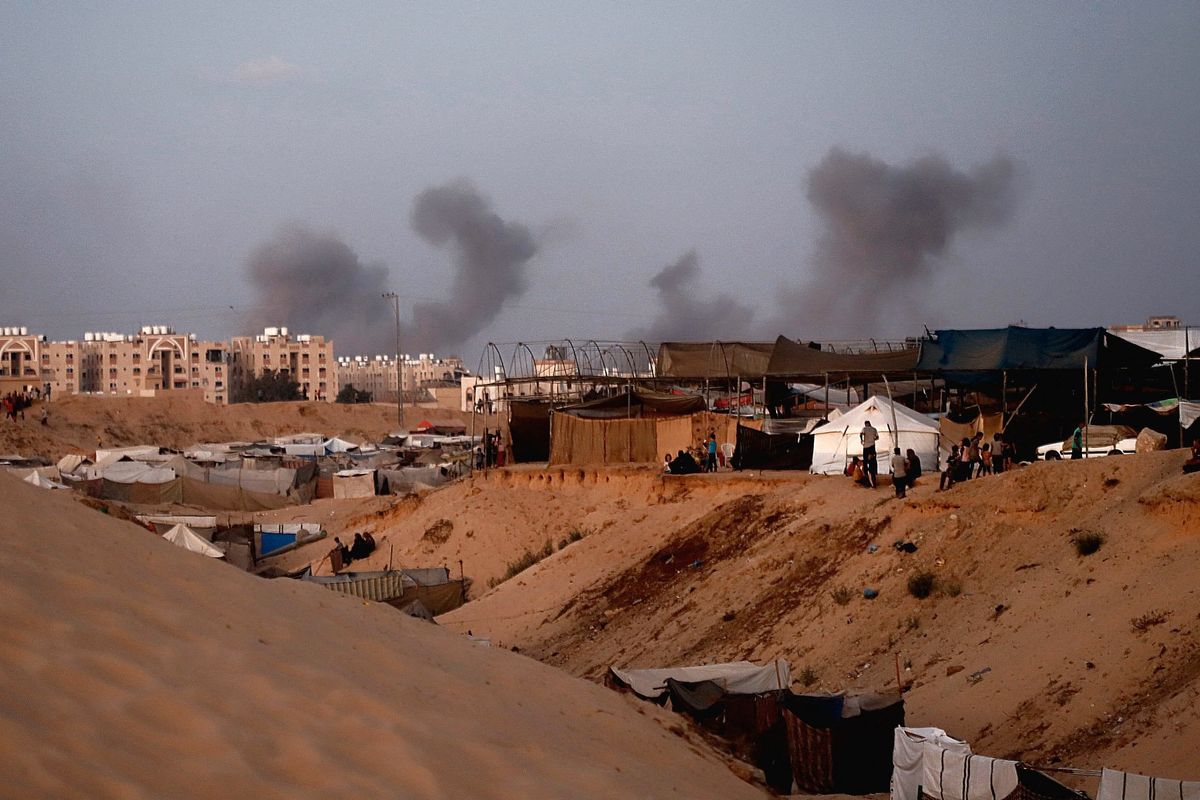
147,150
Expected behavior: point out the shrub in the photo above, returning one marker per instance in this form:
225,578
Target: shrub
1148,620
951,587
921,584
576,534
912,623
527,560
842,595
1088,542
808,676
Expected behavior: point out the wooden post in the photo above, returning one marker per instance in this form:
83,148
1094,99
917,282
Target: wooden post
1085,404
826,395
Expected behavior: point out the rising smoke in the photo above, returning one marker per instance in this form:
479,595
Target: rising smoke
684,315
887,233
313,281
490,257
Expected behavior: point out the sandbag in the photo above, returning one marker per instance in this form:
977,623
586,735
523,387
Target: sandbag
1149,440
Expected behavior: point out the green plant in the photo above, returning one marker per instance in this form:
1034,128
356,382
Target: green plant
527,560
1087,542
921,584
576,534
842,595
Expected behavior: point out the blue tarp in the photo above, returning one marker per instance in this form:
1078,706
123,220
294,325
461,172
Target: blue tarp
1015,348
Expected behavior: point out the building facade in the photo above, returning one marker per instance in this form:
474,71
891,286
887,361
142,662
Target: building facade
306,358
378,374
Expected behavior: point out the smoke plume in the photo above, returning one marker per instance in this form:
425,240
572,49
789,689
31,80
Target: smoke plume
314,282
490,257
684,315
888,230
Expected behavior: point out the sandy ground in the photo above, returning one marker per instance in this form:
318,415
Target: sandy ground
130,668
78,424
1027,648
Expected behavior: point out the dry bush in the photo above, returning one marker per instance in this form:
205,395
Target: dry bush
1087,542
921,584
1148,620
842,595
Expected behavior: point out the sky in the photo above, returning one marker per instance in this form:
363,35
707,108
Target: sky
536,171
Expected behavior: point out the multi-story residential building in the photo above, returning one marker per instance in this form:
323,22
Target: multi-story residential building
20,360
306,358
377,374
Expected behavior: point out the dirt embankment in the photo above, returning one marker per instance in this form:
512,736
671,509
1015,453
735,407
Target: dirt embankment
1023,646
79,424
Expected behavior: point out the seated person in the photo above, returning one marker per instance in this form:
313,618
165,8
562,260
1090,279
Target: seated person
667,463
1193,463
951,472
684,464
359,548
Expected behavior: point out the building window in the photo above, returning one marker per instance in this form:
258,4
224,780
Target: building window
137,370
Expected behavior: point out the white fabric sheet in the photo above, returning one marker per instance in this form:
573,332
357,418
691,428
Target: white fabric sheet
953,775
185,537
908,750
1116,785
836,442
738,677
1189,410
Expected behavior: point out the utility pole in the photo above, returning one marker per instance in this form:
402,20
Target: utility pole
395,298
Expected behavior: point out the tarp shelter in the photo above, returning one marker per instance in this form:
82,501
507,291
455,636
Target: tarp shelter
836,442
953,433
759,450
354,483
35,479
1015,348
183,536
575,440
908,750
636,403
529,430
736,677
714,360
842,743
791,359
1173,344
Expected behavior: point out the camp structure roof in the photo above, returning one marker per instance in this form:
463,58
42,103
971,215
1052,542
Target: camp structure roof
183,536
1173,344
1016,348
700,360
790,359
736,677
636,403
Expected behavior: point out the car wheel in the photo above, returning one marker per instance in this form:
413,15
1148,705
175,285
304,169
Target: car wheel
1115,453
1053,455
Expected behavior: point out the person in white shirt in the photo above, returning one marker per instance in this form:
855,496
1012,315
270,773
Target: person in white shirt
899,472
869,437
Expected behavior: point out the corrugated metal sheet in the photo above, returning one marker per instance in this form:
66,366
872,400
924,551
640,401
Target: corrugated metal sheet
377,586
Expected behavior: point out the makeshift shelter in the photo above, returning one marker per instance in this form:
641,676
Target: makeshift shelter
736,677
433,587
835,443
714,360
634,427
183,536
842,743
1015,348
953,433
529,430
135,482
35,478
354,483
791,359
761,450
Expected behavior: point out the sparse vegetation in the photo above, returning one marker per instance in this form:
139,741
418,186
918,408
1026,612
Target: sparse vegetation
951,586
912,623
576,534
1148,620
527,560
921,584
842,595
1087,542
808,676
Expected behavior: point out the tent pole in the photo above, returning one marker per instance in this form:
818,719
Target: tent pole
1003,399
1186,358
1085,403
914,391
826,395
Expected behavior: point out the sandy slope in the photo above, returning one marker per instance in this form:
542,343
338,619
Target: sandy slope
78,423
743,566
130,668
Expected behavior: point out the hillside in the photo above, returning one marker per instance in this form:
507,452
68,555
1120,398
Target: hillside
1026,648
131,668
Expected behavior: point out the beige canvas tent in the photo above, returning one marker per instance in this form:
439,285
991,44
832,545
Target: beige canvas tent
183,536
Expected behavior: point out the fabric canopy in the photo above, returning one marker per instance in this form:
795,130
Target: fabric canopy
747,360
737,677
183,536
1173,345
35,479
1015,348
636,403
798,360
835,443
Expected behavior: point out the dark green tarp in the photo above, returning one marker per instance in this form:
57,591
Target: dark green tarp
529,430
714,360
758,450
791,359
1015,348
637,403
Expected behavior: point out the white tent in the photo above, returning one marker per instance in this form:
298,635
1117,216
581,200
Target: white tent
836,442
183,536
735,677
354,483
36,479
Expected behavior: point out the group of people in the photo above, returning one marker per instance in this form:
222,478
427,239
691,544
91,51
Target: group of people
362,546
906,467
15,403
685,463
974,458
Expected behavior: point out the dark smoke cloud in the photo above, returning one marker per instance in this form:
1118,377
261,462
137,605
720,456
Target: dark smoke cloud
490,257
888,230
314,282
684,315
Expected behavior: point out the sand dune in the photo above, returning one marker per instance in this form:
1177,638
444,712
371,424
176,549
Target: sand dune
130,668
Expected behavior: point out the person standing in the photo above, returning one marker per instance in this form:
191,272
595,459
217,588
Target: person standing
710,464
1077,442
998,454
869,437
899,472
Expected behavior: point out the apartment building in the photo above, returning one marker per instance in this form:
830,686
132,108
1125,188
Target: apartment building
307,358
155,360
20,360
377,374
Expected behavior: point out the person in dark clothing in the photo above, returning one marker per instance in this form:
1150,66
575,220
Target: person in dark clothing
684,464
359,549
914,466
343,554
951,472
999,454
370,540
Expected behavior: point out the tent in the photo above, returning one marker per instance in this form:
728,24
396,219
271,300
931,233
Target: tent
354,483
835,443
35,478
1015,348
183,536
714,360
842,743
761,450
791,359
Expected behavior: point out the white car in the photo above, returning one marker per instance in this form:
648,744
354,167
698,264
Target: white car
1100,440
